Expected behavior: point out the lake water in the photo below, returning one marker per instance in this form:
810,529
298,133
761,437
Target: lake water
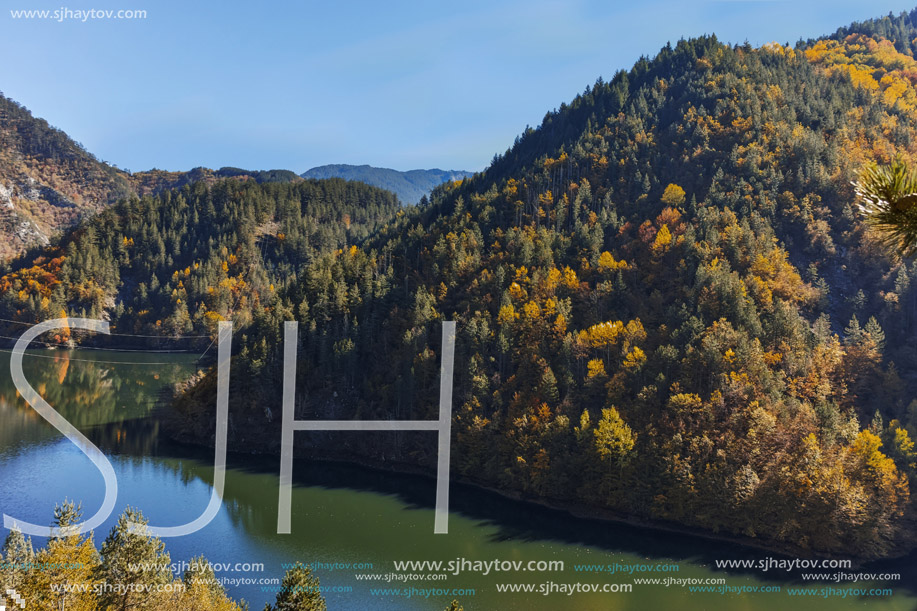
347,515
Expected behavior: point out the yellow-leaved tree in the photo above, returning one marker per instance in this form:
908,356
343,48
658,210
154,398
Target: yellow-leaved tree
67,577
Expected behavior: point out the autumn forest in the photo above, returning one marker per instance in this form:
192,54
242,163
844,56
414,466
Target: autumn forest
670,307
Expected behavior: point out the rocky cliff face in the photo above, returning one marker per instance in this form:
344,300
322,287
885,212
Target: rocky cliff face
47,180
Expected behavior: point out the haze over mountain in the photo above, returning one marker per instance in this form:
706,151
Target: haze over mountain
409,186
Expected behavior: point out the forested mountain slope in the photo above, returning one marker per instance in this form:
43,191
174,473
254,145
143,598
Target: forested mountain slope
178,262
667,306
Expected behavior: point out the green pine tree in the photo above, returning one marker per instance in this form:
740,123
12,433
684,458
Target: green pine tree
132,558
299,591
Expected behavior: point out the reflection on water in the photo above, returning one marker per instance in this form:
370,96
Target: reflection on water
88,388
340,514
73,381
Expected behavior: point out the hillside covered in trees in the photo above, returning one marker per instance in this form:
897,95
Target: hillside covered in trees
176,263
668,305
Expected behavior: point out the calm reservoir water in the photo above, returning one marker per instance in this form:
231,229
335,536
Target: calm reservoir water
347,515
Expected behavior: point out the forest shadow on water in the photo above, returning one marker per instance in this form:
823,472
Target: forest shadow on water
510,520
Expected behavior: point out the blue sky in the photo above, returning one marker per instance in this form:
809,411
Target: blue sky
395,84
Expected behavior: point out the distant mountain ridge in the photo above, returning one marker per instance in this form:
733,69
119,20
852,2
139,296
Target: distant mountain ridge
409,186
48,181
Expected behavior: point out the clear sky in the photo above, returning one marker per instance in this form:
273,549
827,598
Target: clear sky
406,85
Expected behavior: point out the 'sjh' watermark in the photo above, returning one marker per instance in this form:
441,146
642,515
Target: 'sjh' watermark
442,426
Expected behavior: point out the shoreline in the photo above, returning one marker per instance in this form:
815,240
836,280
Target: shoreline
588,512
575,510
